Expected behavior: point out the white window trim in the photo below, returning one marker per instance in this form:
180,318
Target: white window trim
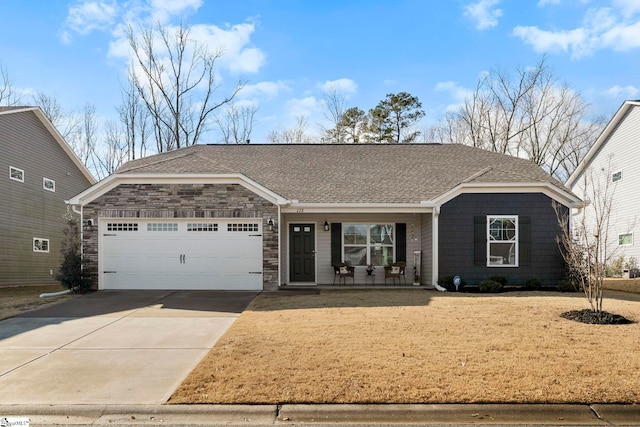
35,249
489,241
369,245
11,169
44,184
614,174
625,234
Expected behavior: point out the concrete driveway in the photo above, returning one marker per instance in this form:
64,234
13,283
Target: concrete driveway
112,347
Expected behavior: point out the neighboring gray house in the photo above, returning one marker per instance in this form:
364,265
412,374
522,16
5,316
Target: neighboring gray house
613,158
40,173
267,216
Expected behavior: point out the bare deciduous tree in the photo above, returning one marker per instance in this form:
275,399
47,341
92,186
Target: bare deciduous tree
335,108
134,117
295,135
175,76
9,95
528,114
66,123
586,245
237,124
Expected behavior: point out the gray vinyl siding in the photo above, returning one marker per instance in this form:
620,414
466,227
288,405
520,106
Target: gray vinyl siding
620,152
324,269
28,210
456,237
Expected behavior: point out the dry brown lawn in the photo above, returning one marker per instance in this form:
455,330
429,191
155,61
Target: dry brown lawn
417,346
19,299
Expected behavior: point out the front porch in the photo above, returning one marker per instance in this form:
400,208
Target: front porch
307,260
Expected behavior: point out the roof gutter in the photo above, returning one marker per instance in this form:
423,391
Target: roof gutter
295,207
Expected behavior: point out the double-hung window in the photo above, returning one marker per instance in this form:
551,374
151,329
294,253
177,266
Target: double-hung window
625,239
40,245
502,241
365,244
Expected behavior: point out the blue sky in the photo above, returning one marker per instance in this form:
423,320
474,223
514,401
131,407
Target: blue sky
290,51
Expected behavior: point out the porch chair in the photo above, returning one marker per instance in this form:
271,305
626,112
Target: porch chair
395,271
341,271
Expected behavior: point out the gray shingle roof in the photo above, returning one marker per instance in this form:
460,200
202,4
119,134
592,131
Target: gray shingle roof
351,173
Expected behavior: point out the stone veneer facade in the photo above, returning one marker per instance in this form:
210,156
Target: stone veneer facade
167,201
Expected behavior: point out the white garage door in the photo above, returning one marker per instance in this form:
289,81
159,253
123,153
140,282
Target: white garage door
191,254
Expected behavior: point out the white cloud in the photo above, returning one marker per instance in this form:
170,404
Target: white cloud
622,37
237,56
622,91
303,107
483,13
457,93
550,41
162,10
269,89
602,28
543,3
343,85
233,41
627,7
85,17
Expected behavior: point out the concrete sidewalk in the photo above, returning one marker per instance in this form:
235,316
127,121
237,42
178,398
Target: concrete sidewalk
432,414
112,347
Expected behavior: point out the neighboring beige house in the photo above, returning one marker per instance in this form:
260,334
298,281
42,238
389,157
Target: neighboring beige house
613,161
40,172
262,217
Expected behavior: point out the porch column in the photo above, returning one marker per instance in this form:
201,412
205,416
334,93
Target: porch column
434,245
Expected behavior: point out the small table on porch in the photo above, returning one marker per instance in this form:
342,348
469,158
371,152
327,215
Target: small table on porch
370,278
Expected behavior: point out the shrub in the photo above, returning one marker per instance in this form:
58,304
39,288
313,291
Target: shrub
490,285
614,267
565,285
532,284
70,273
500,279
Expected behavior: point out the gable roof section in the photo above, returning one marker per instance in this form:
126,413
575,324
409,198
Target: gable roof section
54,133
613,124
343,175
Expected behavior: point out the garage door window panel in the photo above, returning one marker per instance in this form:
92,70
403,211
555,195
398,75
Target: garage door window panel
162,226
202,227
122,226
242,227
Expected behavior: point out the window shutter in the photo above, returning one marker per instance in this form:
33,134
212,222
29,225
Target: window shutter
401,242
524,240
336,242
480,240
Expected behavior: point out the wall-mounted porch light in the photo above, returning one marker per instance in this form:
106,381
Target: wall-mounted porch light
326,225
270,224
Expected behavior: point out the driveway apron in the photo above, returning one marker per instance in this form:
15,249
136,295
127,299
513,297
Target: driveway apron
112,347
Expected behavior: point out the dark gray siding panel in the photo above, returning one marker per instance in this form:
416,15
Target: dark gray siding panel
27,210
459,249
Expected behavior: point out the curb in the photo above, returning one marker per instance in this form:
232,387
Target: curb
461,414
443,414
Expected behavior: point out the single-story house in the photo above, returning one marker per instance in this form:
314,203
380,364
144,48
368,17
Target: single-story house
262,217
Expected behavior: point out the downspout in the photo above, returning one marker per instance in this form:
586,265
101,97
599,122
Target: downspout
435,249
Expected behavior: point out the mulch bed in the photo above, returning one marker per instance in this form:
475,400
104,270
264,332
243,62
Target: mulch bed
594,318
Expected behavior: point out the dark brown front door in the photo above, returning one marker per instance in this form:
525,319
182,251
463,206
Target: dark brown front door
302,256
